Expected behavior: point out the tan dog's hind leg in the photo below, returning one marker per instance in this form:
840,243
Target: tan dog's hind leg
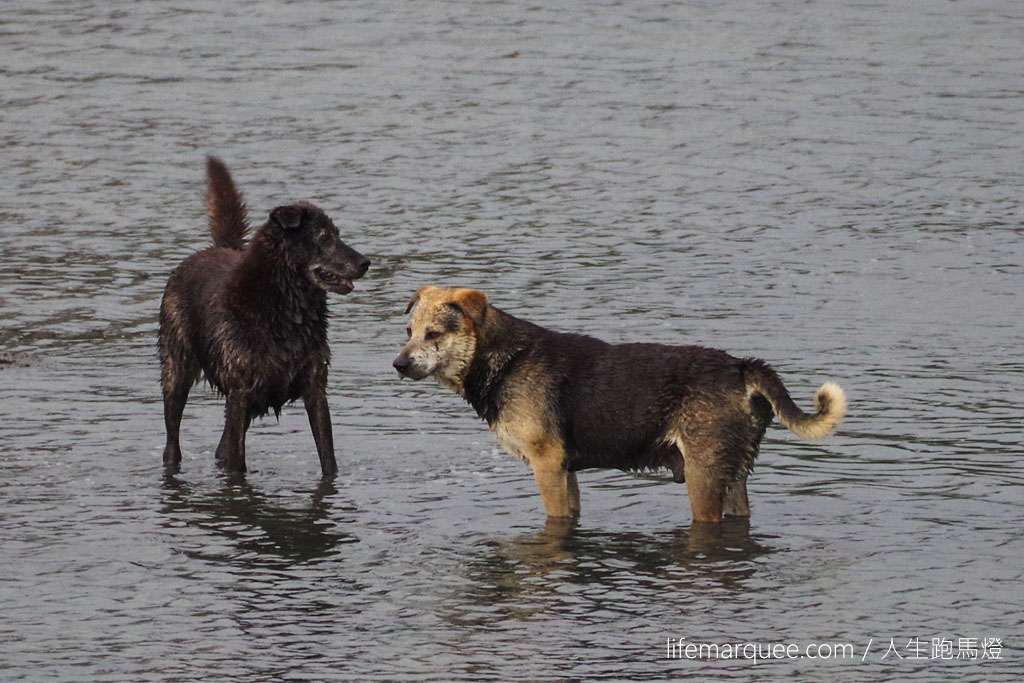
736,502
574,494
558,489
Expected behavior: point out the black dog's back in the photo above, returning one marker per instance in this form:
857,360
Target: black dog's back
195,303
253,318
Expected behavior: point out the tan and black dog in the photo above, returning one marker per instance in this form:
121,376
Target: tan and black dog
252,319
567,402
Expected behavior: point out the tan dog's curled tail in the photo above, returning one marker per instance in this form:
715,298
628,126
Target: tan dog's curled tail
228,222
830,402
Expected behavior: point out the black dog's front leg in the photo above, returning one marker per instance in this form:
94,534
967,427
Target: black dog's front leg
231,449
320,424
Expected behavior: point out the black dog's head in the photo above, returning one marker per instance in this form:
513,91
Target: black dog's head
313,246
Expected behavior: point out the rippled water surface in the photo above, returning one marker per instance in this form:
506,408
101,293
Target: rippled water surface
835,187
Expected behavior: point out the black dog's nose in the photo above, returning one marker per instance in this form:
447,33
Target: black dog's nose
401,364
363,266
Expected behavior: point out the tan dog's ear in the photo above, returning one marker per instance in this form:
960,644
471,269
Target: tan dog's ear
416,297
472,303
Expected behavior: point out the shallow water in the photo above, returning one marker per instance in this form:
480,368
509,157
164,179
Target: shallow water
833,188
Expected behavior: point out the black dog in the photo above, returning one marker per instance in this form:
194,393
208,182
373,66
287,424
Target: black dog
253,319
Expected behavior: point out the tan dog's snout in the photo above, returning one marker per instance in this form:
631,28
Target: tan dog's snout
416,360
404,365
401,363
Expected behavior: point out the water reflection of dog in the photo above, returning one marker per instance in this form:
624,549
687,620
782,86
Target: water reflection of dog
526,570
284,534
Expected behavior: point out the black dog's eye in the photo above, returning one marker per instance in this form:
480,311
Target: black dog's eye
431,335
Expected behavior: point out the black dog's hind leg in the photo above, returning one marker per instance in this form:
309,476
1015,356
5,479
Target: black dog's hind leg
176,381
231,449
320,423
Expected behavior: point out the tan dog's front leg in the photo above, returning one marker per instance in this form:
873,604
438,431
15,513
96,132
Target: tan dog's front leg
558,489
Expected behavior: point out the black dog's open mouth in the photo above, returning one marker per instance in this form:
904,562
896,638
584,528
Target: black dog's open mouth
333,282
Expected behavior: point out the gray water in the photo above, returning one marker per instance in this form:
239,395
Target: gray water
835,187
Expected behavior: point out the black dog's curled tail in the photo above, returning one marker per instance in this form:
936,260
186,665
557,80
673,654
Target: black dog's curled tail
830,402
224,203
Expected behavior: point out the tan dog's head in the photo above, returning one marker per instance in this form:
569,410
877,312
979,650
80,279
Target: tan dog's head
442,333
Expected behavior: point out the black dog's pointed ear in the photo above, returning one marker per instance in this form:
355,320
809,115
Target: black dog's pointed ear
287,217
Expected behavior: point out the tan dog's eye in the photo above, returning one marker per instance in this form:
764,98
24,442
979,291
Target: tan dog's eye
408,332
431,335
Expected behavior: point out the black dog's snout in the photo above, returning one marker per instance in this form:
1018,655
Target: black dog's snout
401,364
363,266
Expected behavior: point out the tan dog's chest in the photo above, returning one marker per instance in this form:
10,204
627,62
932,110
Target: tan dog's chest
524,430
513,437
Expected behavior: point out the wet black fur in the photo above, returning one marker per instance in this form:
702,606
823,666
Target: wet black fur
252,320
